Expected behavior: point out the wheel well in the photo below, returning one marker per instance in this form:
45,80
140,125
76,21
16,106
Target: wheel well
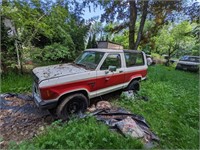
67,94
138,79
135,79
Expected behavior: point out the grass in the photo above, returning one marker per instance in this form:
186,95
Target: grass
173,106
79,134
172,112
16,83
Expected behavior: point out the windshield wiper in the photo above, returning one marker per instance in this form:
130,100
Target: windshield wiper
83,65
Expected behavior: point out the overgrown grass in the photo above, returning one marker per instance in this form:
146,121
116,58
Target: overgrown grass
173,106
16,83
79,134
172,111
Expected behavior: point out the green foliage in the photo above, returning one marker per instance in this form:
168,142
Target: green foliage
79,134
175,39
42,25
16,83
155,55
122,39
7,53
56,52
89,45
173,107
94,42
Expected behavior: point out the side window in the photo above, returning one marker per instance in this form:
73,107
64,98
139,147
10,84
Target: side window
134,59
111,60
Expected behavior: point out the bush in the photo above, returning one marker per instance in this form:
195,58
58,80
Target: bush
155,55
57,51
54,52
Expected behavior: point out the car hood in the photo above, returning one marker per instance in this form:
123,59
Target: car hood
188,63
54,71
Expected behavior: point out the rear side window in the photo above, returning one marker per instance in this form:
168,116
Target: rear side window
134,59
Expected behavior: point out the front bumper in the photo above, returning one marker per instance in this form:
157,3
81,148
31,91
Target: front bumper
188,68
48,104
44,104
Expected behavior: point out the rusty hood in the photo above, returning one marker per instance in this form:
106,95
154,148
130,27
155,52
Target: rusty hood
54,71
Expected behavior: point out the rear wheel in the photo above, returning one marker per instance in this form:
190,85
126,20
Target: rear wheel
134,85
72,104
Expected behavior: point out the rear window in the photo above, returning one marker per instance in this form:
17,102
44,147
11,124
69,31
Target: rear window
134,59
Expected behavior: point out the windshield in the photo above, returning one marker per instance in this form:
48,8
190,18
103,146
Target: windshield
89,59
191,59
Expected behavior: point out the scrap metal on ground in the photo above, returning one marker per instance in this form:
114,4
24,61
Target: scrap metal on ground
125,122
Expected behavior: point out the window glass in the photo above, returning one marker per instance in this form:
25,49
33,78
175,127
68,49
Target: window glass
188,58
134,59
111,60
89,59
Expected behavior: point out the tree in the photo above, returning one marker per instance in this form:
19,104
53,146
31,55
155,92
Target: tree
8,54
43,26
127,13
89,45
122,38
173,39
94,42
193,11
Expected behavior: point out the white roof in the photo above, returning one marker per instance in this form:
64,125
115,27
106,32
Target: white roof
110,50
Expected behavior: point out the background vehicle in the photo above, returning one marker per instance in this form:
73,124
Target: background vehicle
67,88
189,63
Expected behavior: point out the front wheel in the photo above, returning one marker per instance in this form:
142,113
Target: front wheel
72,104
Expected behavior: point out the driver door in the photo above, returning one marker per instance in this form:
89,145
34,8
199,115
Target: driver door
110,80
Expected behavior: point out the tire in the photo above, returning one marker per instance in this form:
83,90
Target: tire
134,85
72,104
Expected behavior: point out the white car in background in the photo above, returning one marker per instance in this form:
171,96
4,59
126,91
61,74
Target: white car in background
189,63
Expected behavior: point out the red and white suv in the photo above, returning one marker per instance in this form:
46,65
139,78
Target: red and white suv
67,88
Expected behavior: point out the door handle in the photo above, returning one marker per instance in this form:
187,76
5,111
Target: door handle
120,71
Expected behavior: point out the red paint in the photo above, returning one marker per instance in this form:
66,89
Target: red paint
131,75
52,92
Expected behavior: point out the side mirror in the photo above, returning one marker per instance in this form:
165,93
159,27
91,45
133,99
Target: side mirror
112,68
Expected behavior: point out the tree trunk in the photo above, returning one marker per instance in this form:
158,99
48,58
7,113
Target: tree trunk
18,57
169,55
133,17
142,22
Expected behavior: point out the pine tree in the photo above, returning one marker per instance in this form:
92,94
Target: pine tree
94,43
89,45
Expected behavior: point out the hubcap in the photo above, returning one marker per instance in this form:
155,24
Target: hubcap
73,107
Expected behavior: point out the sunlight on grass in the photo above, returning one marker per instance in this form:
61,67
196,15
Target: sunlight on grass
173,106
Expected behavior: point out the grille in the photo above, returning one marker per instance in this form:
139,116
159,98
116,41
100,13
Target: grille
36,88
35,78
188,66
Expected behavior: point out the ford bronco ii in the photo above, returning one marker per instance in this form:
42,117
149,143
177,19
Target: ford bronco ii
66,89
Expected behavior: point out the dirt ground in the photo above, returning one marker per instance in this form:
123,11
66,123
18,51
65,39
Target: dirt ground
20,120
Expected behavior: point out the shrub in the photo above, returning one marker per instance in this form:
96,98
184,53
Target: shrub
57,51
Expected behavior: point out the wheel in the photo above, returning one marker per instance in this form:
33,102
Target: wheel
134,85
72,104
